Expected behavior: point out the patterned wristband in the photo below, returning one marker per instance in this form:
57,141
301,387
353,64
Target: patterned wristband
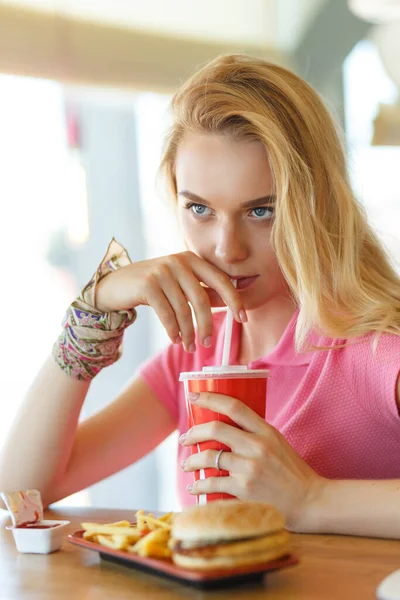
90,339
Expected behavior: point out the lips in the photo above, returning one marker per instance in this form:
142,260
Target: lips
244,282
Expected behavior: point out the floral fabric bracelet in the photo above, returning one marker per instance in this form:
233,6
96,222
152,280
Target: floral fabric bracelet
91,339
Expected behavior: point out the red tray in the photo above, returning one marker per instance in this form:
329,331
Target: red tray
192,577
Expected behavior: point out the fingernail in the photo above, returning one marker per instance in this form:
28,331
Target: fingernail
193,396
182,438
177,340
243,316
183,463
207,341
189,487
192,348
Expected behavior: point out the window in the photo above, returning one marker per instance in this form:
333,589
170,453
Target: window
374,169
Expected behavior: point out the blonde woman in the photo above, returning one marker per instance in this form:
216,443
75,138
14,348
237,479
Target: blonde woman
258,174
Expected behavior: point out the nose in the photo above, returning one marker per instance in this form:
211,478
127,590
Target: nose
230,245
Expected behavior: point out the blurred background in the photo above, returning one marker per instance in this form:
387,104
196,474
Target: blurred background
84,91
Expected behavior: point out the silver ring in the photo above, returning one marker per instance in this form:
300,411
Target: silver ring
217,460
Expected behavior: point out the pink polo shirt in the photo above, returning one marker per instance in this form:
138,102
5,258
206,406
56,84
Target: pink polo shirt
337,408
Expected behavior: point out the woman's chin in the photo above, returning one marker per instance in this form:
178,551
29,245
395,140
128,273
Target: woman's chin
253,301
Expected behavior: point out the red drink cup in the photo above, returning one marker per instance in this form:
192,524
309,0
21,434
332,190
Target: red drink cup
249,386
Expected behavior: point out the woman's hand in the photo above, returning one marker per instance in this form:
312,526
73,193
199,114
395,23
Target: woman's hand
262,465
168,284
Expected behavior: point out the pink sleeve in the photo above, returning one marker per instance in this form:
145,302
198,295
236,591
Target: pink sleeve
161,373
374,375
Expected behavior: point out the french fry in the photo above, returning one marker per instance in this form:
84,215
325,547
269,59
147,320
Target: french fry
160,552
167,517
158,535
120,524
154,551
155,539
154,523
147,523
131,532
90,536
116,541
141,521
148,537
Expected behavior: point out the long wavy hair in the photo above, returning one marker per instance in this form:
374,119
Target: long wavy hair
337,269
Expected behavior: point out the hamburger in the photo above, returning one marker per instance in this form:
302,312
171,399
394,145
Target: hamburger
226,534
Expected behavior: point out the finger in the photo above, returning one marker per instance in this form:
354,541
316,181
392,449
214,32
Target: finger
228,461
215,299
211,485
183,314
221,283
238,440
199,299
165,312
233,408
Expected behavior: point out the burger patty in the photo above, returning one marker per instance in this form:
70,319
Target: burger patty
234,547
182,547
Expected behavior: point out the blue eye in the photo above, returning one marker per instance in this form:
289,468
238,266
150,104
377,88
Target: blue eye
198,209
263,212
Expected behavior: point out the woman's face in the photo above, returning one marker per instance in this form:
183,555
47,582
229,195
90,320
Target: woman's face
226,208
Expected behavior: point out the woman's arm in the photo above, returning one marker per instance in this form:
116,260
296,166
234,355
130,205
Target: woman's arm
264,467
42,435
47,450
366,508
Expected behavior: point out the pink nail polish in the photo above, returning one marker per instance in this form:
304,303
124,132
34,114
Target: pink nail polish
207,341
243,316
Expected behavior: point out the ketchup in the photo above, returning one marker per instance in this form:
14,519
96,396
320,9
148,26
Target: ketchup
34,526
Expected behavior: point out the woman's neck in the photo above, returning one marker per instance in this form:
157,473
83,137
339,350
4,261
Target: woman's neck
264,329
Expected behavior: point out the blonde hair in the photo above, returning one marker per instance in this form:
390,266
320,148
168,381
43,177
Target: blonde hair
333,262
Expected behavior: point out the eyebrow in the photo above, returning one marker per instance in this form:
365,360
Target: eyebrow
264,200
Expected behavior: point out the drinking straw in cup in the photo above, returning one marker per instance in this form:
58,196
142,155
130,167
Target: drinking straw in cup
248,386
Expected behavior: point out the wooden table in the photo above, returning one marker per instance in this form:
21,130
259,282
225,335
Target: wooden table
346,568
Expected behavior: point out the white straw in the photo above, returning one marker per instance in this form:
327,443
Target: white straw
228,335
